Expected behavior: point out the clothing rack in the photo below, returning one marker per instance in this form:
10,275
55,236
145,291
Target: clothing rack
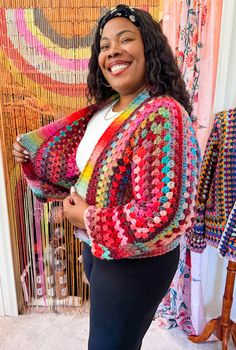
223,327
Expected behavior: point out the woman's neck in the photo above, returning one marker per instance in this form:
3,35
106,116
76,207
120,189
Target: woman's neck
124,100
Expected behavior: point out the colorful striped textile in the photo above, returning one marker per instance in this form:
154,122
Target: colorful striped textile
140,181
216,215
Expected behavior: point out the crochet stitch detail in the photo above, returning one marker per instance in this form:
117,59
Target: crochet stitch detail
143,185
216,195
140,181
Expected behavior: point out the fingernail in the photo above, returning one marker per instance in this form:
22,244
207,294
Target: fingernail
72,189
18,138
25,152
27,157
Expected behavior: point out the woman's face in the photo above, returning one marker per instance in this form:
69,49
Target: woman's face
121,58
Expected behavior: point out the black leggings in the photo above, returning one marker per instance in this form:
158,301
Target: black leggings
124,296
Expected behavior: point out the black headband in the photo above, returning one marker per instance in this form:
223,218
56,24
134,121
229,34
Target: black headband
120,11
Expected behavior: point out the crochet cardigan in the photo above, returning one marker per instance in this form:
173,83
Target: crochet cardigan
140,181
216,197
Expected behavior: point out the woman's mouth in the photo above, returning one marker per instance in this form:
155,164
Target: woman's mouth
118,68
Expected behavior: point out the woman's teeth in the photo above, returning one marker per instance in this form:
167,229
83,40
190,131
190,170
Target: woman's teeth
119,67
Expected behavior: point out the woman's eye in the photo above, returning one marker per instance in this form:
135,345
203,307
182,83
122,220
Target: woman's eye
126,40
104,47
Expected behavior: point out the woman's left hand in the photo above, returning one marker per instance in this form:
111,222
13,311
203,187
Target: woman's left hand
74,208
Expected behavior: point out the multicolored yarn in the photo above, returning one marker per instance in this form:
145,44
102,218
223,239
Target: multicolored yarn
46,49
228,238
52,169
216,212
140,180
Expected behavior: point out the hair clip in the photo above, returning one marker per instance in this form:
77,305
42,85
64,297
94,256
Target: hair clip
132,18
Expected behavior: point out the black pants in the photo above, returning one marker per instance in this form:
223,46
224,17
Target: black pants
124,296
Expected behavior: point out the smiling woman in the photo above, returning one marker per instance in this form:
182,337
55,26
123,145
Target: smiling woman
132,159
121,59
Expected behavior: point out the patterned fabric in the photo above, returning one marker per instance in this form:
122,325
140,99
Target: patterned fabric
193,31
190,44
183,305
174,309
217,190
139,182
186,39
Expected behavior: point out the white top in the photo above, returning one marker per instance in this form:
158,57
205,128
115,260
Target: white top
96,127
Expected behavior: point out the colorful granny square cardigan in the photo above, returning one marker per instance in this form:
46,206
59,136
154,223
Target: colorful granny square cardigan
216,198
140,181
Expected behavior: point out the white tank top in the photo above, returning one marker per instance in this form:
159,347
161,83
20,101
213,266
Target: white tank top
96,127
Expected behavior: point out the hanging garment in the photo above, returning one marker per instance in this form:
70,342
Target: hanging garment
215,214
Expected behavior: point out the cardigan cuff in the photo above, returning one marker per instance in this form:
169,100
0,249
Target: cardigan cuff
196,244
87,221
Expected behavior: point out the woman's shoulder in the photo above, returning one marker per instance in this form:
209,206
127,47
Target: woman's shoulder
160,104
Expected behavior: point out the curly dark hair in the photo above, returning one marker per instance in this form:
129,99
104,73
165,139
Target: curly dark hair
163,76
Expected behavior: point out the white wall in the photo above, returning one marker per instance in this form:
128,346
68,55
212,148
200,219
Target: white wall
2,311
8,299
225,97
213,266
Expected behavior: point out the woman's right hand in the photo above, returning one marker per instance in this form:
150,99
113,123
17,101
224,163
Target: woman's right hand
20,153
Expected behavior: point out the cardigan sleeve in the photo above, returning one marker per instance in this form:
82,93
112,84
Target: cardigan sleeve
51,169
164,174
196,235
228,237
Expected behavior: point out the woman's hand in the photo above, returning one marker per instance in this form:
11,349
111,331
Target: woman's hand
19,152
74,208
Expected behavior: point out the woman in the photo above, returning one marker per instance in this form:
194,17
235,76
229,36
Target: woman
136,174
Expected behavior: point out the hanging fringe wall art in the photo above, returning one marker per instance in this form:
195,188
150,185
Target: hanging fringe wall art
44,54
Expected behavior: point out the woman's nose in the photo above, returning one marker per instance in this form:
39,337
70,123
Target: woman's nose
114,51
